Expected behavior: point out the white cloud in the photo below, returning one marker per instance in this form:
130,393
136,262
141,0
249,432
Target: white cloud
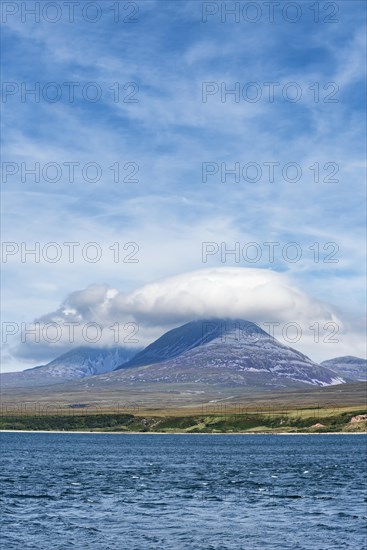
258,295
169,133
250,293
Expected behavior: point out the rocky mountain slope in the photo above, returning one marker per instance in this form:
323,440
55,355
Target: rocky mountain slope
76,363
181,339
222,352
218,353
352,369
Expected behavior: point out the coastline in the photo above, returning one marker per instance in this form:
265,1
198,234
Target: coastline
91,432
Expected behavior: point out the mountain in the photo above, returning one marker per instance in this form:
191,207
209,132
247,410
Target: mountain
179,340
200,355
353,369
74,364
222,352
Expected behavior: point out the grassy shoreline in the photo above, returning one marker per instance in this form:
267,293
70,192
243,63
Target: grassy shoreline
93,432
250,423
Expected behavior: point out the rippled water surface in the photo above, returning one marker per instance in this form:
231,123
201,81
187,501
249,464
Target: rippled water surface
194,492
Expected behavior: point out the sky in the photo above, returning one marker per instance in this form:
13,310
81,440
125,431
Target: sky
169,161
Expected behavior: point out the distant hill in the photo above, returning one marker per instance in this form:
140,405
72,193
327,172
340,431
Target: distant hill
76,363
221,352
210,353
353,369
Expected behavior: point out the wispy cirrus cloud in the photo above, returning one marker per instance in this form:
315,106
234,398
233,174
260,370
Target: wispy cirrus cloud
170,133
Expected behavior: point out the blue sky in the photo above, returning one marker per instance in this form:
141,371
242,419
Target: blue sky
168,53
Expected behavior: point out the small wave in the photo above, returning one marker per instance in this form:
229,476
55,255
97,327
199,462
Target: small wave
287,496
39,496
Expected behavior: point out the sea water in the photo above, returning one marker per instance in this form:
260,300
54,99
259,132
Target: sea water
194,492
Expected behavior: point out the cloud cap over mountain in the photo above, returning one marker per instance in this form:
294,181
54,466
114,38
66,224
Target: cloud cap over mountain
259,295
250,293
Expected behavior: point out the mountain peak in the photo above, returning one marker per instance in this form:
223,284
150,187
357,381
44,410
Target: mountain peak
222,352
353,369
195,333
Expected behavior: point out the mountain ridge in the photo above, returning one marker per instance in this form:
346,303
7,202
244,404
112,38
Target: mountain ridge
353,369
209,352
222,352
188,336
74,364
